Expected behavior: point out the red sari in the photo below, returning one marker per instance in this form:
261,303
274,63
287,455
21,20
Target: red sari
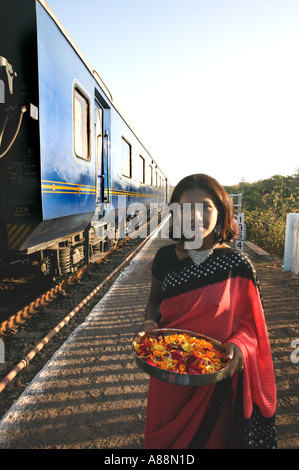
220,298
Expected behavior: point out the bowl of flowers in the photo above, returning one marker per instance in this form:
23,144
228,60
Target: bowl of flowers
181,357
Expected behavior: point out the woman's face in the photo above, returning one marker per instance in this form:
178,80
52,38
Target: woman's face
203,215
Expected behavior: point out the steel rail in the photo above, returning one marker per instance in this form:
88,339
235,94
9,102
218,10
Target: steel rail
10,326
26,359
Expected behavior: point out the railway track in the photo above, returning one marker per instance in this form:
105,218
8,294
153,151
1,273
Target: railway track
50,319
10,325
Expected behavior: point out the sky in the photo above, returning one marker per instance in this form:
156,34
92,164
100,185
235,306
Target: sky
209,86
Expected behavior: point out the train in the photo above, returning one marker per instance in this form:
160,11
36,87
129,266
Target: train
70,163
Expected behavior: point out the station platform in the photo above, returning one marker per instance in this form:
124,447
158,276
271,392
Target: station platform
91,395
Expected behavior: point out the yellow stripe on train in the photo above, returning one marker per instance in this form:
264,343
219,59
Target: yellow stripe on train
116,192
57,187
69,185
60,189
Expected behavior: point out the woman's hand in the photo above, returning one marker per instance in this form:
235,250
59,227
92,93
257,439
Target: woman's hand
236,364
146,327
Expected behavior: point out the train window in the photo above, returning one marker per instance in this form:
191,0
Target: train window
81,124
126,158
156,180
151,182
141,169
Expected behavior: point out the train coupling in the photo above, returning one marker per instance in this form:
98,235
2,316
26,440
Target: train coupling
8,73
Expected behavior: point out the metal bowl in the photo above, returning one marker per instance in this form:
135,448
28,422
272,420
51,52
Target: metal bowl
175,377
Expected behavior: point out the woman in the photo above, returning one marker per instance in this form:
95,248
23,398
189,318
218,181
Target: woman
211,290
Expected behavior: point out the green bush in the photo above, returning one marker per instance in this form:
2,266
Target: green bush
266,229
266,204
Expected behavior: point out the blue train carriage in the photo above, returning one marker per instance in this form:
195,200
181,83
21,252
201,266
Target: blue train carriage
68,158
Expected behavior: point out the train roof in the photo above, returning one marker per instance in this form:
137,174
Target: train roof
93,72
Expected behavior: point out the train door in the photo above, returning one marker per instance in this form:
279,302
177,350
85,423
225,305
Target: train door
100,175
102,146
